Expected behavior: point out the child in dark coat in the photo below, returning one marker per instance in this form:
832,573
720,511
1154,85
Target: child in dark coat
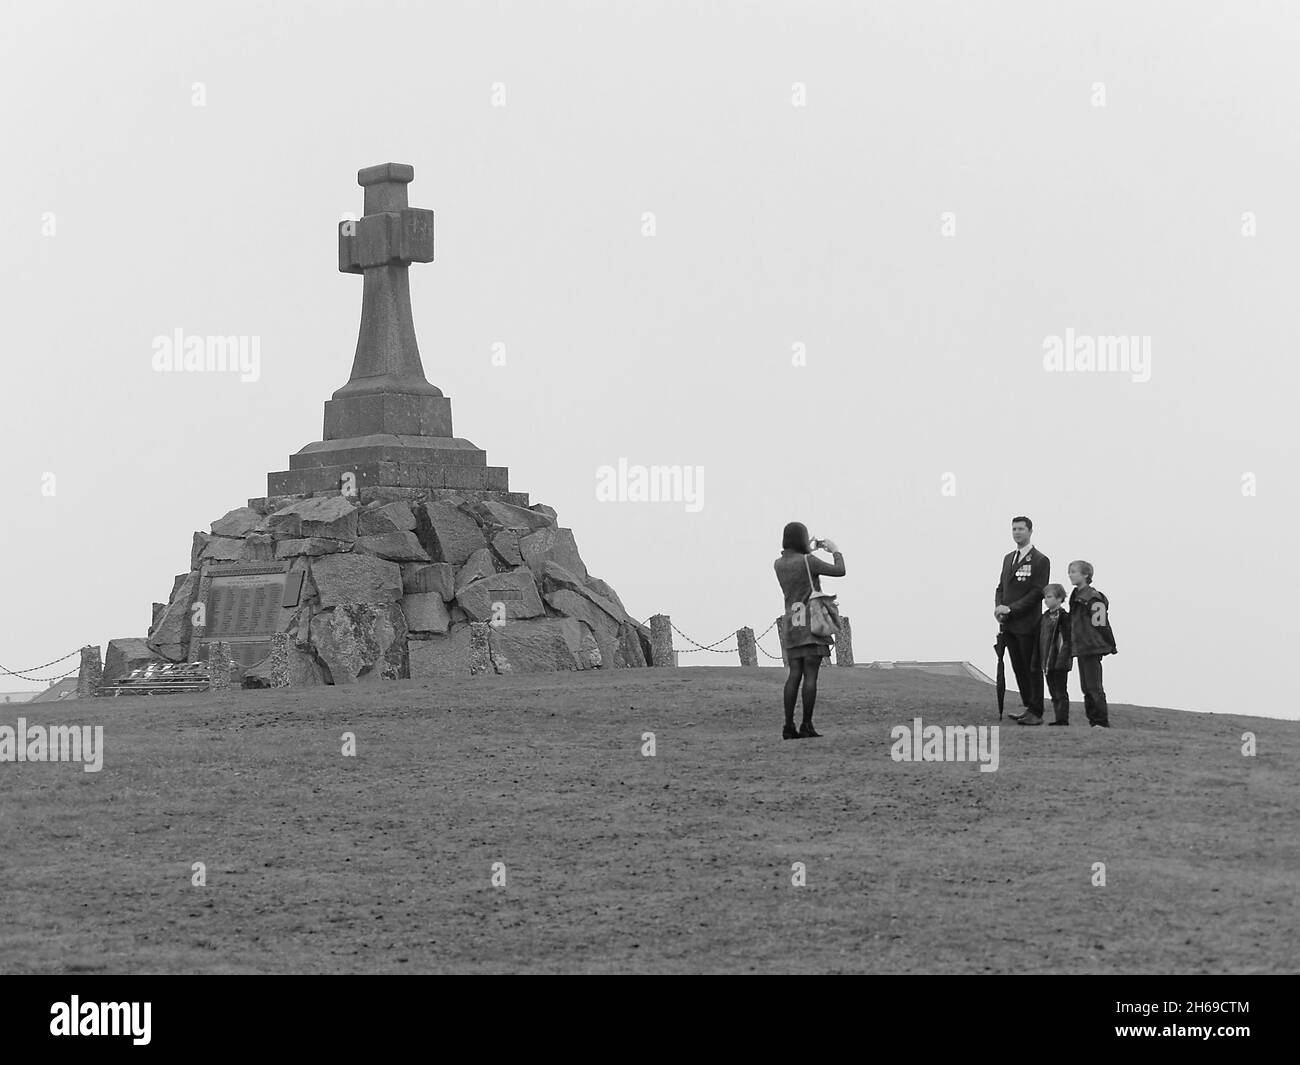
1091,640
1053,651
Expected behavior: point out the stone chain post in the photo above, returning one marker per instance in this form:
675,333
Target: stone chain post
844,643
747,647
219,666
480,652
780,635
279,660
91,672
661,640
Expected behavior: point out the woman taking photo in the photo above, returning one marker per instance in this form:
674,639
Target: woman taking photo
798,573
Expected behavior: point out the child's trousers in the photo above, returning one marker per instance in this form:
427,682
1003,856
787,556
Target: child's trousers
1056,687
1094,695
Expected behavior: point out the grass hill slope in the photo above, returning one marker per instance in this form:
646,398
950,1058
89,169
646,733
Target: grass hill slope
615,861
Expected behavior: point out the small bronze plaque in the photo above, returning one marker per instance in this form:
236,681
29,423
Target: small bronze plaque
293,588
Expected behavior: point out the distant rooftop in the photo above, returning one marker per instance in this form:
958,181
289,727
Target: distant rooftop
64,689
948,669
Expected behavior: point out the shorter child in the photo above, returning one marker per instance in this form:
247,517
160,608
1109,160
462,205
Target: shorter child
1091,640
1053,656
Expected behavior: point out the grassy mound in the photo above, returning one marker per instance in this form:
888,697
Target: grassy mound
615,861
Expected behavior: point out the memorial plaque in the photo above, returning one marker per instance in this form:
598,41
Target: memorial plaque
244,603
293,588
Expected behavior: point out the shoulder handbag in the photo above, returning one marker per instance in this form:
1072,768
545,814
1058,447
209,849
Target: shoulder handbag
823,615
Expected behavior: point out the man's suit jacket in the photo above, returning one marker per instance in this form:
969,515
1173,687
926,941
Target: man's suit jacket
1021,588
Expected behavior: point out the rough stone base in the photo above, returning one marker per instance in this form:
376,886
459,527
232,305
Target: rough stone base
124,655
542,646
442,656
399,583
362,642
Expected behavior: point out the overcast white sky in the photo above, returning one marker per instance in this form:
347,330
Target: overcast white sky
776,225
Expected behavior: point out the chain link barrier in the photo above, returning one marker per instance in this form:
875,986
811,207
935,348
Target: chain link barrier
48,680
21,674
703,647
734,649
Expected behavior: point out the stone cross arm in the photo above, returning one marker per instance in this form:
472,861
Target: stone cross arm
390,233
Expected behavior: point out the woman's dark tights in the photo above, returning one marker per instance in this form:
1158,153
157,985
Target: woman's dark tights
802,671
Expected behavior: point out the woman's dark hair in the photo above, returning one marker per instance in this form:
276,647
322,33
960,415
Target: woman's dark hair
795,538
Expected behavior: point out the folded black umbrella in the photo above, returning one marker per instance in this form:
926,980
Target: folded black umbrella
1000,649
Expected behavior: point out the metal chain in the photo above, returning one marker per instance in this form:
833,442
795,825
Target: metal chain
714,646
697,647
704,647
32,669
43,680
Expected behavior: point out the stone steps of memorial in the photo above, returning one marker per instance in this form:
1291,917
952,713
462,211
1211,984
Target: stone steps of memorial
405,453
389,474
388,493
160,679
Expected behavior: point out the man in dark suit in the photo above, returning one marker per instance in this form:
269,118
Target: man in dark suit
1018,606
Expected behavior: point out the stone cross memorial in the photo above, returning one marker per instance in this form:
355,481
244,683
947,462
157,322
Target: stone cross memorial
390,548
388,425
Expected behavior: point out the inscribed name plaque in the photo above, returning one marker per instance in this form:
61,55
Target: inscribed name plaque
243,604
